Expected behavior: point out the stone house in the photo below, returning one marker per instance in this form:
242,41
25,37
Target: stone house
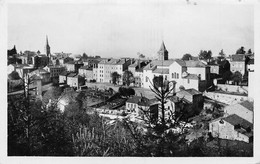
232,127
137,104
45,75
193,100
73,66
54,70
238,63
64,60
243,110
86,72
137,69
75,80
107,66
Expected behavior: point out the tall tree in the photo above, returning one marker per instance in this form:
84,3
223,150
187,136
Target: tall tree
237,77
249,51
222,54
186,57
227,76
128,77
205,55
115,77
241,50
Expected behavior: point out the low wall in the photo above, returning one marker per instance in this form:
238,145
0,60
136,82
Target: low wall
226,98
233,88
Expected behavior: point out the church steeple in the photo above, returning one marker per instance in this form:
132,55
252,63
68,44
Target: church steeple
162,53
47,47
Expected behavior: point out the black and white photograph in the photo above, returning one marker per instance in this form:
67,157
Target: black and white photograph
130,78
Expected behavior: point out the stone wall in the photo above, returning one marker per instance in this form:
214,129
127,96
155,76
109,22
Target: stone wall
233,88
226,98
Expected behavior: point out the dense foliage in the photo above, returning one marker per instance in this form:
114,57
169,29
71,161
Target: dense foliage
115,77
128,77
37,130
186,57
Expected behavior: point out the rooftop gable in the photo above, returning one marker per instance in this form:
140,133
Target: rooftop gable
236,120
238,57
192,63
248,105
155,63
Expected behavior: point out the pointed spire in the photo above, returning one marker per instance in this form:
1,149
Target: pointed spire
47,43
162,47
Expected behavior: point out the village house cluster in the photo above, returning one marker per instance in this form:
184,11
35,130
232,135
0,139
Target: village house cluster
196,82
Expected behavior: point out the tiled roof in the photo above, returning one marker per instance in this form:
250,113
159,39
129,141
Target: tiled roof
192,63
134,99
248,105
39,71
180,62
238,57
235,120
138,100
174,99
161,70
134,64
193,91
155,63
36,77
64,73
55,66
86,68
72,74
112,61
188,92
191,76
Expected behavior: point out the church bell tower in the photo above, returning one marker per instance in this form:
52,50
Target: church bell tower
162,53
47,48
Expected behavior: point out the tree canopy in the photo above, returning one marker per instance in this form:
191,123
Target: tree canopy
115,77
205,55
237,77
186,57
158,81
227,76
128,77
222,54
126,91
14,76
241,50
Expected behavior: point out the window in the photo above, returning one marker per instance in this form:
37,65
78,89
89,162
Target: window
146,79
172,75
188,81
177,75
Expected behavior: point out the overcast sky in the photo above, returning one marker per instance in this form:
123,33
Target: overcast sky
122,29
